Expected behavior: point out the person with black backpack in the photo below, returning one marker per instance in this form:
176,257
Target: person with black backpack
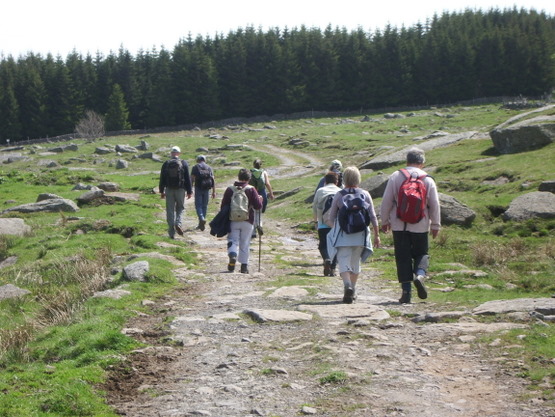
320,208
352,211
410,208
202,178
243,200
174,183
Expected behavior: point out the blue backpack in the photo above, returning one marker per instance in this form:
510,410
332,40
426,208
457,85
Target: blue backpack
353,215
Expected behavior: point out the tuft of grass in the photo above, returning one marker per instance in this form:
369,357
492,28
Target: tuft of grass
335,377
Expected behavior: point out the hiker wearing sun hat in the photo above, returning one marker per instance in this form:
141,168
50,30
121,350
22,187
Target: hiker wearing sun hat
174,183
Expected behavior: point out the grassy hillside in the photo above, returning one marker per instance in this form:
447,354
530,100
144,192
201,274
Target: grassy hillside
69,256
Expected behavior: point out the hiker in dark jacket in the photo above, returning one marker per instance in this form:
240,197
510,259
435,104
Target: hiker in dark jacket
239,236
411,240
261,181
174,192
202,178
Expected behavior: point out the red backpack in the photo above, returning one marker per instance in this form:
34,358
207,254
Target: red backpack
411,200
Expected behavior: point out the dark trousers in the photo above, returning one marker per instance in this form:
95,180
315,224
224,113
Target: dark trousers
410,249
323,245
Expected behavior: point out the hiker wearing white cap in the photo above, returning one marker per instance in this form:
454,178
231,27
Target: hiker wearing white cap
174,183
202,177
337,167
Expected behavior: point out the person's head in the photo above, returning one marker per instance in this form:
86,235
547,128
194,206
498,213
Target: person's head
415,156
244,175
351,177
331,178
336,165
201,158
257,163
175,151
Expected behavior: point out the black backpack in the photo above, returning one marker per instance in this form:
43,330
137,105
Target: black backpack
353,215
174,173
204,180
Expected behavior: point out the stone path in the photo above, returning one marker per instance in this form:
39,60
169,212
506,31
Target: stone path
246,345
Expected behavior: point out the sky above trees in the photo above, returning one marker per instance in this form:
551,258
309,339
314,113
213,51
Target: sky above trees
61,26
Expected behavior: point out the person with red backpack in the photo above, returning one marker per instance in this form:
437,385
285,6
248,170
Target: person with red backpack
410,209
174,183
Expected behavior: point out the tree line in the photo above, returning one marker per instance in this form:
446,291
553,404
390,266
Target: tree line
248,72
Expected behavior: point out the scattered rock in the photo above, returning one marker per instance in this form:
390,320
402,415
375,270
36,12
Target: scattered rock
454,212
136,271
52,205
11,291
531,205
14,226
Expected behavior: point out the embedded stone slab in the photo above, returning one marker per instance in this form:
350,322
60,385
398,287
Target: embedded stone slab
470,327
280,316
114,294
544,306
290,292
338,310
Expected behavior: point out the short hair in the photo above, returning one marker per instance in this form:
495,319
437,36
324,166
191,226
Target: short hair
351,177
331,178
257,163
244,174
415,156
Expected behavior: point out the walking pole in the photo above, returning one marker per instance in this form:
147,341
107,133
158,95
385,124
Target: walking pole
259,238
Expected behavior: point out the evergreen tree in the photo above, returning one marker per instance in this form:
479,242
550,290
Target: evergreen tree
117,116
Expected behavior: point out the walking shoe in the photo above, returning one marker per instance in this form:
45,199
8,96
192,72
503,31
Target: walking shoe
179,230
232,262
420,288
201,225
348,295
244,269
405,298
332,271
327,268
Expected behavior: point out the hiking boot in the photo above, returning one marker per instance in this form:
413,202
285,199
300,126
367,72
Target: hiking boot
332,271
327,268
244,269
201,225
232,262
348,295
405,298
179,230
420,288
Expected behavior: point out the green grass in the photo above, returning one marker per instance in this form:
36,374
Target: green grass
58,342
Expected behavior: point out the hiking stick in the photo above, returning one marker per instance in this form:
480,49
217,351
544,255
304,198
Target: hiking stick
259,238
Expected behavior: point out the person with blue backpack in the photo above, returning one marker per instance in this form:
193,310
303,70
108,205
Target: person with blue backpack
352,211
174,183
410,209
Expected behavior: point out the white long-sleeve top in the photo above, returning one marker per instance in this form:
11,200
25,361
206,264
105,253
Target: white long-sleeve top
388,209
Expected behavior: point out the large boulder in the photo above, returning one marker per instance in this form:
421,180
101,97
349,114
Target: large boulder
536,204
53,205
525,135
14,226
455,212
375,185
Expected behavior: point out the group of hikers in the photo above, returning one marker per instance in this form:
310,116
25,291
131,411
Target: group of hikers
344,214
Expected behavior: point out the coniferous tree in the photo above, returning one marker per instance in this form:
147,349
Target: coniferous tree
117,115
